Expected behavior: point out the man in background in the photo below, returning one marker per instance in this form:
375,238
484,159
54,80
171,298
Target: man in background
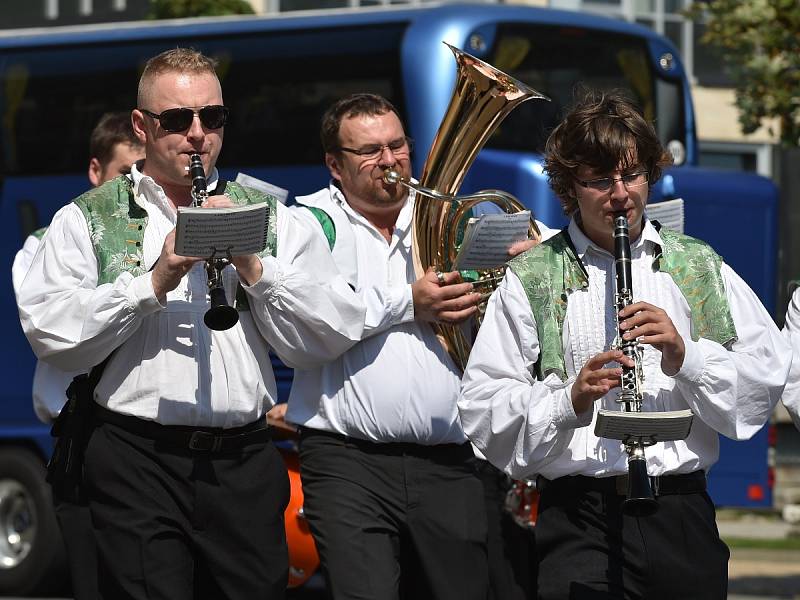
113,148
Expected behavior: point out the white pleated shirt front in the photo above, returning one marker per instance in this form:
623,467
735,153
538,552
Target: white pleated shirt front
529,427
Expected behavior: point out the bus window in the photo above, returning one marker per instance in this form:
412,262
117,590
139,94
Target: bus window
277,84
554,59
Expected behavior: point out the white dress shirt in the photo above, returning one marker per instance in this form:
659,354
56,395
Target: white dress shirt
398,384
169,367
525,426
49,383
791,331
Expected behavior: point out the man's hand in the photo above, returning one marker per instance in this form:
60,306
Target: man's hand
448,301
249,266
651,325
170,268
595,380
276,418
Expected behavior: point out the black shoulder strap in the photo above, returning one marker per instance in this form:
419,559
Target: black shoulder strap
221,185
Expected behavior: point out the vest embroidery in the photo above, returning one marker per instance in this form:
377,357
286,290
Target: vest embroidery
551,271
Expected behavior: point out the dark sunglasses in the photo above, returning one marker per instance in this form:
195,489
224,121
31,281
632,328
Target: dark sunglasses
176,120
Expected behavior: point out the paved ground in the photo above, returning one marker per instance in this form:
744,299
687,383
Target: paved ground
758,573
754,574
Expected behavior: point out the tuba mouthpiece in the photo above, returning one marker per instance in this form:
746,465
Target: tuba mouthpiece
391,176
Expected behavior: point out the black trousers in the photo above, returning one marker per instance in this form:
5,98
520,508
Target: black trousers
75,522
511,548
589,550
175,524
395,520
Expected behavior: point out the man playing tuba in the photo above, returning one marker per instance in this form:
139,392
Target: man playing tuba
387,471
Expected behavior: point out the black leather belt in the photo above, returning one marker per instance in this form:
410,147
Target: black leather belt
444,451
662,485
197,439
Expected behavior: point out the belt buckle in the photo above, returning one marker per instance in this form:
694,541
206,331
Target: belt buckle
203,441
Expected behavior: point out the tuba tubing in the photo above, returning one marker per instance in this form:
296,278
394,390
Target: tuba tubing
483,96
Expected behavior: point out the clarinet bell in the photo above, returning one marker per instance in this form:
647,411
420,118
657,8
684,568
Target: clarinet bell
221,315
640,501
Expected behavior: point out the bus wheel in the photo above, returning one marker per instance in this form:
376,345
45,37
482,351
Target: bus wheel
32,557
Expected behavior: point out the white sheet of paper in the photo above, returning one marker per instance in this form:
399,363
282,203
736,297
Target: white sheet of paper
262,186
488,237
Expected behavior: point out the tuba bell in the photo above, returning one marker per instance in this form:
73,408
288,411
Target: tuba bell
482,98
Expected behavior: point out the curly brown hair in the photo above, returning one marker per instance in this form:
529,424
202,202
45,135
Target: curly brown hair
604,130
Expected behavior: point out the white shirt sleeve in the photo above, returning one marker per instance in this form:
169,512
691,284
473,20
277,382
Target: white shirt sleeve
791,333
385,307
734,391
502,405
303,308
22,262
70,321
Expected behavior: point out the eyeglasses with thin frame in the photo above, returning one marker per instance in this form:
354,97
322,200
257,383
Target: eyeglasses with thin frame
604,184
176,120
400,147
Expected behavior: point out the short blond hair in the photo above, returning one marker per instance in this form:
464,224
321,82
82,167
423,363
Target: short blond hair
184,60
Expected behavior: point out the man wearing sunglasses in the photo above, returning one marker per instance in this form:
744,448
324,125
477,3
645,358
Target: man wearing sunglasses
545,362
185,488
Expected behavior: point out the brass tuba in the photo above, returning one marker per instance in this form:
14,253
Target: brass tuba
482,98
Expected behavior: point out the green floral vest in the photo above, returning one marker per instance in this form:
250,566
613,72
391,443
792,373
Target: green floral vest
116,227
551,271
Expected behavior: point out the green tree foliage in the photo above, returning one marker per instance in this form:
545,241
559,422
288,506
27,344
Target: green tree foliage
172,9
759,41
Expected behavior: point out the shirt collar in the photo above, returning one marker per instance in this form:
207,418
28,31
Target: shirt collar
145,189
401,226
649,239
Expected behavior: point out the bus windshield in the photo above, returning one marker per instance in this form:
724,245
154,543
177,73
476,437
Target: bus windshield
278,83
555,59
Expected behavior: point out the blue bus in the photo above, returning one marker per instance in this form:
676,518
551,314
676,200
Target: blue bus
279,74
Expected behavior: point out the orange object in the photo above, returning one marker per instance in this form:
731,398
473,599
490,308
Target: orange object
303,557
522,503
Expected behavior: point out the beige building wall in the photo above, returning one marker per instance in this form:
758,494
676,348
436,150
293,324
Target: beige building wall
717,118
258,6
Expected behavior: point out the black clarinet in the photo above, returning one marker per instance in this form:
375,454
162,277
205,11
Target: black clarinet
221,315
640,500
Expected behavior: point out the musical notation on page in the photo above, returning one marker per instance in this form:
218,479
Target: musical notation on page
227,231
487,239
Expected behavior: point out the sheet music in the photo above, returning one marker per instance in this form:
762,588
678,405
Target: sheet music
652,426
263,186
488,237
668,212
240,230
